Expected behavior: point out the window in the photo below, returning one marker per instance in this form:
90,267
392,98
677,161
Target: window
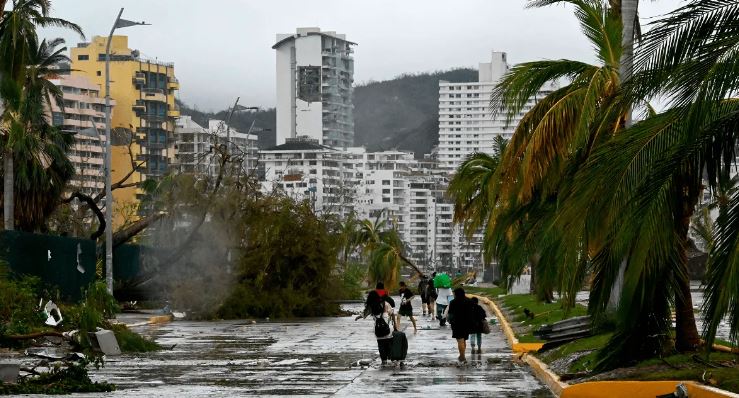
386,200
385,182
84,57
99,74
385,191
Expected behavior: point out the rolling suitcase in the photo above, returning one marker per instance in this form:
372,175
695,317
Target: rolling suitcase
399,348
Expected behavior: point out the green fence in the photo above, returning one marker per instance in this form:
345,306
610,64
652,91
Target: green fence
63,263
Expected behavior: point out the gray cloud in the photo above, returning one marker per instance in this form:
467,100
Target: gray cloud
222,48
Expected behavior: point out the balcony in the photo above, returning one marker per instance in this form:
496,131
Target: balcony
173,83
139,106
139,79
153,117
154,94
173,112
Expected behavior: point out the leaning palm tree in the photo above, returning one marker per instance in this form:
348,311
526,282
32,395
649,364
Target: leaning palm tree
552,139
18,45
652,175
384,249
471,186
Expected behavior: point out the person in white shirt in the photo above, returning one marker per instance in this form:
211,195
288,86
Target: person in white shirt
445,295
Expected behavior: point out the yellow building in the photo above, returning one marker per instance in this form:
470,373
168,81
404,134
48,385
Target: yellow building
144,115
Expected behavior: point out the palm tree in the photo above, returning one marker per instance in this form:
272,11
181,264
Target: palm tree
548,145
471,187
384,249
653,175
18,46
41,167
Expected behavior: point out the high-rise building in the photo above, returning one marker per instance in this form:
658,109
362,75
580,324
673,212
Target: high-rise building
315,73
466,123
84,108
195,144
144,121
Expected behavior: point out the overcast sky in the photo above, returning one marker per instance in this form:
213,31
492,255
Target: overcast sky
222,48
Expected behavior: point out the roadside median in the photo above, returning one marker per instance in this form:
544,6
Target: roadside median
549,369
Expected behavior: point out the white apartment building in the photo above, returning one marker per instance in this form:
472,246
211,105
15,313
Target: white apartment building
195,144
466,124
306,170
83,107
382,184
315,73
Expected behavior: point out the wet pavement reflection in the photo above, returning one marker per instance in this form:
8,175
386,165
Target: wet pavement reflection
317,357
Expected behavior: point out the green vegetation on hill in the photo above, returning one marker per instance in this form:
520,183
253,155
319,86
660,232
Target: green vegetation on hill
400,113
403,112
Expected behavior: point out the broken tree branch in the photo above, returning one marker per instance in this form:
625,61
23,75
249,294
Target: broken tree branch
95,209
35,335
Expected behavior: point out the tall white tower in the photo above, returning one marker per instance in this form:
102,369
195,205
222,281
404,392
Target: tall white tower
315,73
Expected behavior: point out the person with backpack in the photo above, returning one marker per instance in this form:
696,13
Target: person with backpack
477,326
406,309
460,317
379,304
422,284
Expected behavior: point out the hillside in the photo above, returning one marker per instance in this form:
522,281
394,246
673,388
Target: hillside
400,113
403,112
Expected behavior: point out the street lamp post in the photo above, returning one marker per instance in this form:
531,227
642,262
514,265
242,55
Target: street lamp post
119,23
235,108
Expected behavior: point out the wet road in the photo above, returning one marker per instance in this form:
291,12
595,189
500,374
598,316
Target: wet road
319,357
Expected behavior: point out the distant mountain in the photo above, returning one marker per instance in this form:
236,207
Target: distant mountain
401,113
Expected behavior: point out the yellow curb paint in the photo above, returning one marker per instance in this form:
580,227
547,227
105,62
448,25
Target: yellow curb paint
543,373
160,319
507,330
723,348
639,389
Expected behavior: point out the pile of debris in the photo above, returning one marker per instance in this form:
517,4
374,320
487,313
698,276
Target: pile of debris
564,331
53,354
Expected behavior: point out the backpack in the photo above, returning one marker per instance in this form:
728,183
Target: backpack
375,303
382,329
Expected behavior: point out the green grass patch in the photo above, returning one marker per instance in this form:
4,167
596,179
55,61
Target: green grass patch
686,367
543,314
130,341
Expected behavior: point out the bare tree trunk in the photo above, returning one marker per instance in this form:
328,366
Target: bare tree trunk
628,20
626,70
8,197
686,331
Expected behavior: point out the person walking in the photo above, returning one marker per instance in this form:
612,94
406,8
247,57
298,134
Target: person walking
406,309
422,284
431,296
478,322
460,317
379,304
444,296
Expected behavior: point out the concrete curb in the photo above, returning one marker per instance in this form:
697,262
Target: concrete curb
596,389
516,346
521,350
